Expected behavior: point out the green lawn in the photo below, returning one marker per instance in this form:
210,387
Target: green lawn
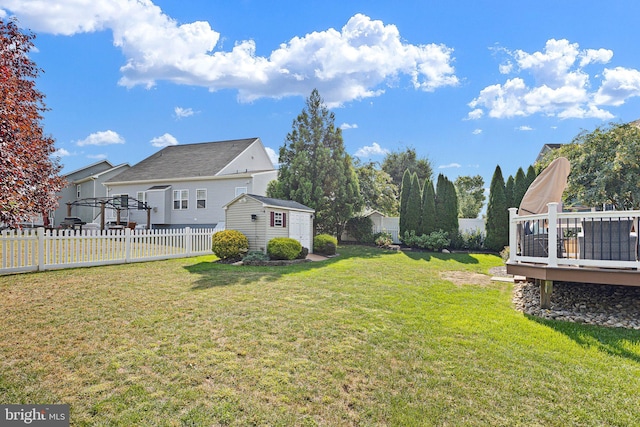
367,338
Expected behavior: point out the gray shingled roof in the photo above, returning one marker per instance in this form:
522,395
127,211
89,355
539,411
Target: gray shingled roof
186,161
289,204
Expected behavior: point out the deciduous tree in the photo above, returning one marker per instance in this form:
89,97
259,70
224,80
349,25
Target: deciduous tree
470,191
377,188
28,173
396,163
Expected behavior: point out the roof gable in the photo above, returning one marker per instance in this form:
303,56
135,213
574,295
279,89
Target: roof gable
274,203
186,161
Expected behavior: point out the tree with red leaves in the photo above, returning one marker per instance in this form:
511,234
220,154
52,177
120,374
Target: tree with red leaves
29,176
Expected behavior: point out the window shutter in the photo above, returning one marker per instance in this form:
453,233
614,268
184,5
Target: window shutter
272,218
284,220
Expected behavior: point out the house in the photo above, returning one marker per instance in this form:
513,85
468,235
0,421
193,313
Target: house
545,149
262,218
189,184
85,183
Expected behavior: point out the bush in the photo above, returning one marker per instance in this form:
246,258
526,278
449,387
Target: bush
283,248
325,244
229,243
435,241
255,256
383,239
360,229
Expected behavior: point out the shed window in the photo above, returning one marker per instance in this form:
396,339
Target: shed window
278,219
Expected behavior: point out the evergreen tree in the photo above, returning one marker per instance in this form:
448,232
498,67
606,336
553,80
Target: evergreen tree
452,209
531,176
414,206
440,202
497,214
315,169
446,206
520,187
508,193
404,200
428,213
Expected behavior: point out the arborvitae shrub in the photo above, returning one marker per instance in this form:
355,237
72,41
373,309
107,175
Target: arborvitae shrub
229,243
325,244
283,248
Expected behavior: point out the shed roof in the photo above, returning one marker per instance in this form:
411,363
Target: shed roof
186,161
276,203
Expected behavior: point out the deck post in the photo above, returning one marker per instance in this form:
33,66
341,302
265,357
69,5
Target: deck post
553,234
546,288
513,234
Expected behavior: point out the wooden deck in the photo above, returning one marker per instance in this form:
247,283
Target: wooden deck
590,247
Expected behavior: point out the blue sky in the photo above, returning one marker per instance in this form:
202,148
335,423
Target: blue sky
468,84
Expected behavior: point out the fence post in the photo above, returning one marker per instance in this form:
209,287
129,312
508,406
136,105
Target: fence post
127,245
40,235
187,243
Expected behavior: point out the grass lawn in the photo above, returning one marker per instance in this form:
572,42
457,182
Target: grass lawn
367,338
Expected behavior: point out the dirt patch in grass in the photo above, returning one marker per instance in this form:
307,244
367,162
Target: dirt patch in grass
460,278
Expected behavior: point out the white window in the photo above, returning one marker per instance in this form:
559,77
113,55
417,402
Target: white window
78,186
278,219
241,190
142,198
201,199
180,199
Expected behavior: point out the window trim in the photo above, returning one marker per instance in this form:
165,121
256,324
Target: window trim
241,190
183,201
199,199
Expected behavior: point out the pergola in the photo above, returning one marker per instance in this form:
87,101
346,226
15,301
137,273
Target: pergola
117,203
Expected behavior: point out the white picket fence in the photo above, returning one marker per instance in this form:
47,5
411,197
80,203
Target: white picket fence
40,249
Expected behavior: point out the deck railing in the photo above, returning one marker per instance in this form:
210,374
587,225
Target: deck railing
607,239
40,249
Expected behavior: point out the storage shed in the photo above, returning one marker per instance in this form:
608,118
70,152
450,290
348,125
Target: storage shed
263,218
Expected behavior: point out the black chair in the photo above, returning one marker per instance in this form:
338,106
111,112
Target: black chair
608,239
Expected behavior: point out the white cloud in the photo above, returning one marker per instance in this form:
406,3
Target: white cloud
371,150
506,67
524,128
477,131
61,152
450,165
96,156
182,113
345,126
553,82
345,65
273,156
107,137
618,85
164,141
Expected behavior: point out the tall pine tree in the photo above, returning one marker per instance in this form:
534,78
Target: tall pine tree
428,213
520,187
404,200
508,193
315,169
497,214
414,205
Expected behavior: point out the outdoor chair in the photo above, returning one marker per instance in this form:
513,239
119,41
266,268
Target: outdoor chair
608,240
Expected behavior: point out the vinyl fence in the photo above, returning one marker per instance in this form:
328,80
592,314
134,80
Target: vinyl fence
40,249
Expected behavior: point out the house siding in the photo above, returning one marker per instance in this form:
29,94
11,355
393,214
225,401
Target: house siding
220,191
238,217
254,158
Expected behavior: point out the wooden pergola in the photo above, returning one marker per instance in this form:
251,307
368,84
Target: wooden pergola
117,203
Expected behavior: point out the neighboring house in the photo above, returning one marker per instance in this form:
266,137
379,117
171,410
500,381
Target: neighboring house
262,218
188,185
545,149
85,183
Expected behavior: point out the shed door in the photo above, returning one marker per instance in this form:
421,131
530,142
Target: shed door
300,228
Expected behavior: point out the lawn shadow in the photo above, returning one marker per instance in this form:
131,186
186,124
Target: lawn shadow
214,274
613,341
463,258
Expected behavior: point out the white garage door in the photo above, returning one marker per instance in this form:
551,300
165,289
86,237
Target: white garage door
299,228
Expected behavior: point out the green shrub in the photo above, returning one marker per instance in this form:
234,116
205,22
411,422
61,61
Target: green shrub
283,248
383,239
325,244
229,243
435,241
255,256
360,229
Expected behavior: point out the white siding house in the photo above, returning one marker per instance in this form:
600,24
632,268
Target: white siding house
262,218
188,185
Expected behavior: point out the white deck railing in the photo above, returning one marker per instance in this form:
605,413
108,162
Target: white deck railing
40,249
607,239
